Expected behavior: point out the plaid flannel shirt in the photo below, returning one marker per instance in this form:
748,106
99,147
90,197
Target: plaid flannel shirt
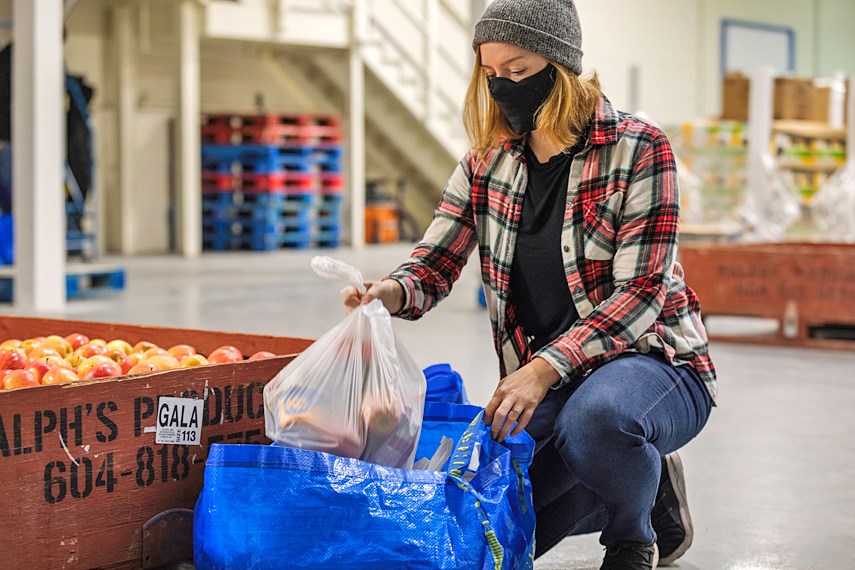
619,246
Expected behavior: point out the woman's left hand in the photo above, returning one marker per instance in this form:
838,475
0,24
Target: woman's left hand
517,396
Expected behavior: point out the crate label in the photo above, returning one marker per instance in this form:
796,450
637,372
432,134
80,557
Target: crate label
179,421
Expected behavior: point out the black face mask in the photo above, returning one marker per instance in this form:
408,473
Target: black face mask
520,100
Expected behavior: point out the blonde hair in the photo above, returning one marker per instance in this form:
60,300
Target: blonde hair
563,118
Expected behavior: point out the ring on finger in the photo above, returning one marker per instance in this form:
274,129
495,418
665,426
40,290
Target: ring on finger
515,411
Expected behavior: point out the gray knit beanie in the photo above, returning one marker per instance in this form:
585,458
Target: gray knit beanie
546,27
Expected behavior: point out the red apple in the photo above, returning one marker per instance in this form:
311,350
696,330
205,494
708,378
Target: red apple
261,355
19,379
143,368
193,360
59,376
12,360
92,362
180,351
77,340
154,352
59,344
89,350
103,370
225,354
38,368
119,358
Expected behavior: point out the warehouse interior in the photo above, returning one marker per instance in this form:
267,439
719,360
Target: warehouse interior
122,149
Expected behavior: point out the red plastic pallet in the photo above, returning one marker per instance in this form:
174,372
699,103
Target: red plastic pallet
280,135
237,121
277,183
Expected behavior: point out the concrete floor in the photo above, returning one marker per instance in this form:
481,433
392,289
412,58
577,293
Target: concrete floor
771,480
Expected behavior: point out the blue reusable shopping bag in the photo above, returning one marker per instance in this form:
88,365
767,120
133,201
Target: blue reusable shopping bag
444,384
277,507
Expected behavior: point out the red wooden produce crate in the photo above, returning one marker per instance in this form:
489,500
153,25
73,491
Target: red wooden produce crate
80,472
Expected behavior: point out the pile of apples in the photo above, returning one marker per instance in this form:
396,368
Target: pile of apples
60,360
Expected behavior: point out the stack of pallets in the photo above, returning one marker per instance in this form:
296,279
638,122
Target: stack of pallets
271,181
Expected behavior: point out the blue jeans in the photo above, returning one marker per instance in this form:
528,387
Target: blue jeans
599,444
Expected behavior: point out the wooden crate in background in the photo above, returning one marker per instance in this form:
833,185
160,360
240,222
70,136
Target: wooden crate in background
808,287
80,473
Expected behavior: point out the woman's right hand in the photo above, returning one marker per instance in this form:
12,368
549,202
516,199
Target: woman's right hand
390,292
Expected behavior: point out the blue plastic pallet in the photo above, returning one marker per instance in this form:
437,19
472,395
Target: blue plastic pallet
263,200
264,159
257,241
79,283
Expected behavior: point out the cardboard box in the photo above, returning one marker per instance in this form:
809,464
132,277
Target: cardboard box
793,98
80,472
820,104
736,89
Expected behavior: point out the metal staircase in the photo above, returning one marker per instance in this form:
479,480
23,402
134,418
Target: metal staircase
416,54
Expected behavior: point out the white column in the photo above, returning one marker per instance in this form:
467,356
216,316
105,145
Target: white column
356,124
850,133
188,158
431,25
38,153
760,138
118,206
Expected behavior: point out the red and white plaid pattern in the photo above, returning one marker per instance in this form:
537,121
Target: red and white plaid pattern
619,247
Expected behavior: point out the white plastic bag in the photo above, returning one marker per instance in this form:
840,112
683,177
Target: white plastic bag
355,392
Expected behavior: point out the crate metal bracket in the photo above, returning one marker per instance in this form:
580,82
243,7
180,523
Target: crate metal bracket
167,538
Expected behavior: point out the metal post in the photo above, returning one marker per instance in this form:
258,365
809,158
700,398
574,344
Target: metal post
38,138
189,141
356,122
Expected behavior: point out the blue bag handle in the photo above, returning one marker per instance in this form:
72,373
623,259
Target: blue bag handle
461,457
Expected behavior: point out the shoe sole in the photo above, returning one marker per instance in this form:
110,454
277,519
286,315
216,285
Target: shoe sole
675,472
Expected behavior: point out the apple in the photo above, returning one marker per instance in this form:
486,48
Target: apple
180,351
59,376
119,358
12,360
99,342
76,358
225,354
120,345
143,368
59,344
143,345
38,368
11,343
102,370
93,361
77,340
19,379
55,362
261,355
193,360
88,350
30,344
44,350
163,361
153,352
135,358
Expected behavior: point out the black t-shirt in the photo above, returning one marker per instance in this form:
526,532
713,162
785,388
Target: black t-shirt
539,287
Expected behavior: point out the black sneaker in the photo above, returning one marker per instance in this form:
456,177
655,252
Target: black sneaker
670,517
630,557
